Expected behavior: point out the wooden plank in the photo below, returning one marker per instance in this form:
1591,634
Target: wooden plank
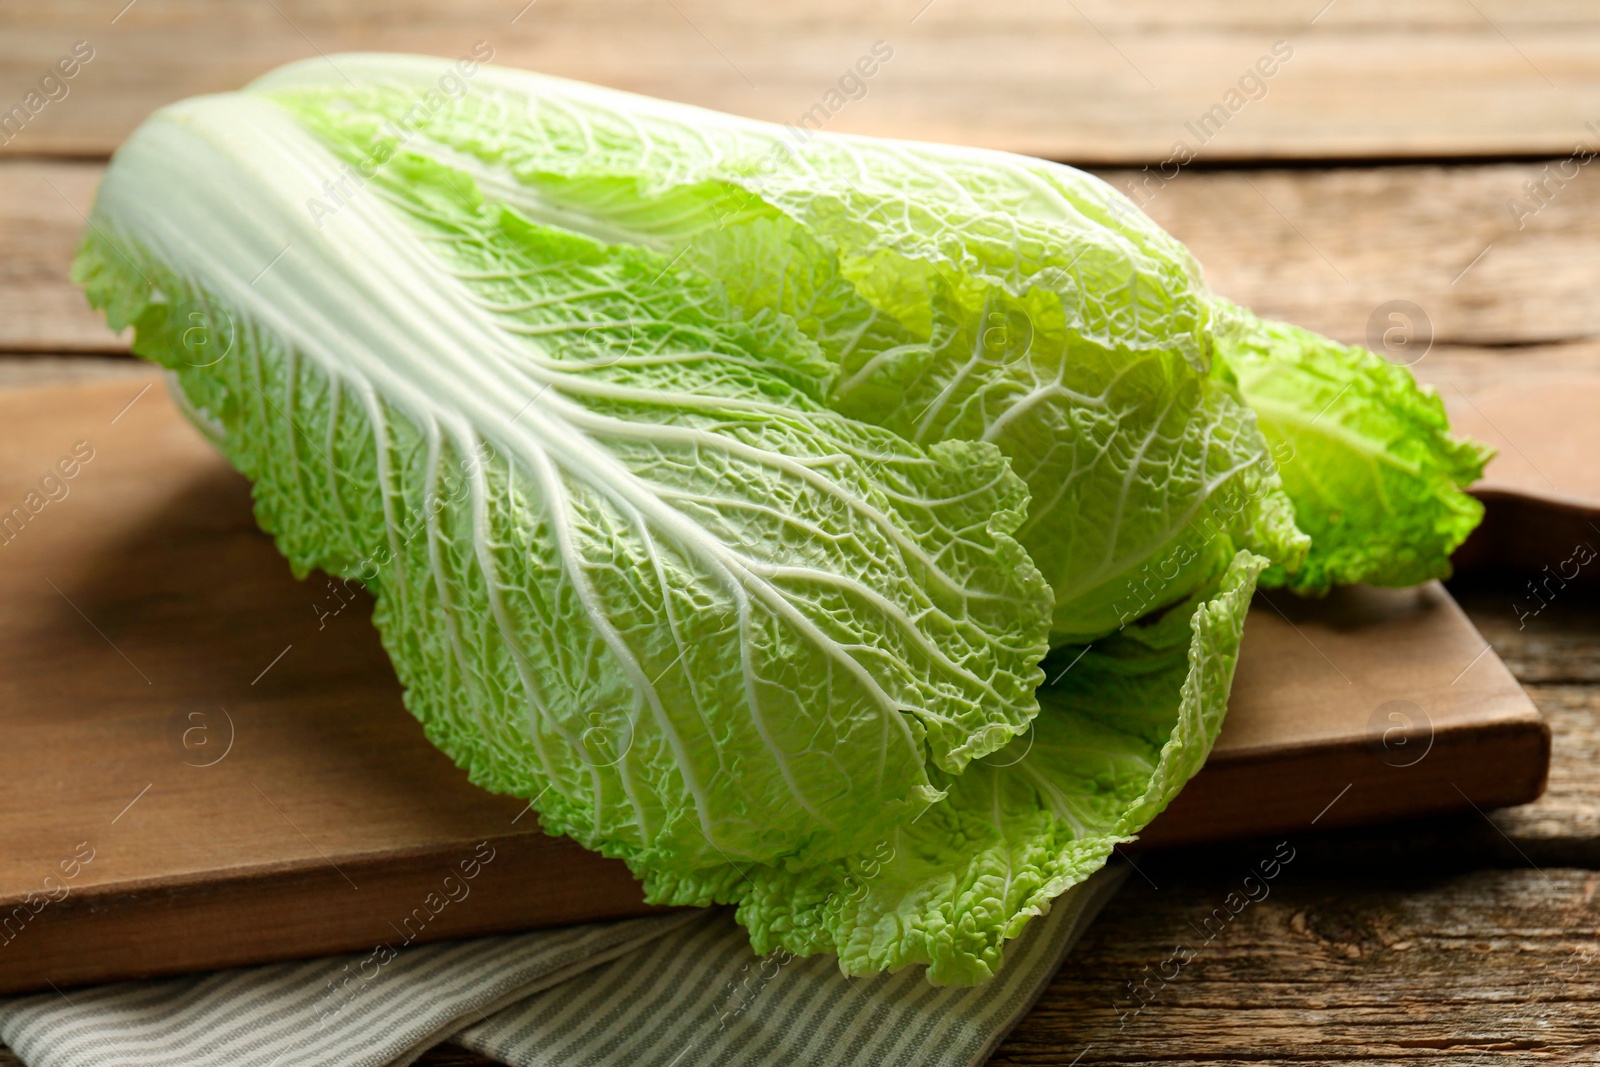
1567,818
1326,249
1375,967
1555,653
1557,646
42,219
159,663
19,371
1322,248
1095,81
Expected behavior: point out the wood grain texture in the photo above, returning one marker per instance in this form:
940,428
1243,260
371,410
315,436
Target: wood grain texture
1555,647
1325,249
43,208
1094,81
1556,655
1568,815
30,369
1381,967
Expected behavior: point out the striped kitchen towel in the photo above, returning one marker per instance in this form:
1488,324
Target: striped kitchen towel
351,1009
677,990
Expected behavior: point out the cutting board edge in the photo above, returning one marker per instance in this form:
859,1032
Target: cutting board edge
130,934
1522,746
1514,717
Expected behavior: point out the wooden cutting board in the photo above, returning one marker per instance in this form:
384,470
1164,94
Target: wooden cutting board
206,762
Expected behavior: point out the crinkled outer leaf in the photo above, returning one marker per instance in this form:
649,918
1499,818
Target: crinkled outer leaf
1364,452
625,563
681,463
955,294
1143,473
1120,732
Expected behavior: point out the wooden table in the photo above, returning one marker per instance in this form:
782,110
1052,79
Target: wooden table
1379,164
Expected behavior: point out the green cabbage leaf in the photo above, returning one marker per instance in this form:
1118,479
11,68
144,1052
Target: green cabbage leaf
1364,452
856,532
